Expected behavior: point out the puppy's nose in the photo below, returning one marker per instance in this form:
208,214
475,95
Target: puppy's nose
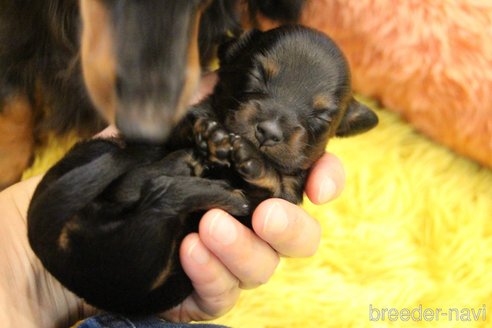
269,133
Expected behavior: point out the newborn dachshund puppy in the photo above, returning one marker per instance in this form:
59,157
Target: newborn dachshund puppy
107,221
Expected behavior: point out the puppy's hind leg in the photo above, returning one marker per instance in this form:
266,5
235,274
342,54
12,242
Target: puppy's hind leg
71,185
191,194
183,162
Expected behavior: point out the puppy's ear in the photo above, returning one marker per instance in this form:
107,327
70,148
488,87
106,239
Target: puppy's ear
357,119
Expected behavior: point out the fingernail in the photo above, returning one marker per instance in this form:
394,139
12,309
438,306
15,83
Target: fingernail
198,254
327,190
222,229
276,220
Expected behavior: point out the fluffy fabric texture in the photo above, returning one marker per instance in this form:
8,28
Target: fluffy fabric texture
411,228
430,61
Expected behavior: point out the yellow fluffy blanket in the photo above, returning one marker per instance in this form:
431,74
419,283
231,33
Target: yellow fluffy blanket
411,232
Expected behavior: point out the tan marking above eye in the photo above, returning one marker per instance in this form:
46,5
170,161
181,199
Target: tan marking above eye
270,67
322,101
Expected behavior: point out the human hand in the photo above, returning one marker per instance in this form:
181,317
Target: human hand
225,256
29,296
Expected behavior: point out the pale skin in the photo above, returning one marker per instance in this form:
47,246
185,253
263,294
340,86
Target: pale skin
221,259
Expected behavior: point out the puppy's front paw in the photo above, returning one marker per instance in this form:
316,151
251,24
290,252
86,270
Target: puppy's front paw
213,141
246,158
229,199
239,205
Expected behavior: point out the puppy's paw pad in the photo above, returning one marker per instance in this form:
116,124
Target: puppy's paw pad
242,150
204,126
250,169
219,144
202,130
213,141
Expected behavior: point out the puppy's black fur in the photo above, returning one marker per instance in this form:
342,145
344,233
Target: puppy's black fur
108,219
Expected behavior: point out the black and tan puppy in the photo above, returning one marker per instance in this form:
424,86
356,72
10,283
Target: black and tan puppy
108,219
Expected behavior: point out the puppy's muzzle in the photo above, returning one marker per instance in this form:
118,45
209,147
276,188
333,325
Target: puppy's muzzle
269,133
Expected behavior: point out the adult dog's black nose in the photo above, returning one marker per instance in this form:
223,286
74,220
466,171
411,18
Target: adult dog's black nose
269,133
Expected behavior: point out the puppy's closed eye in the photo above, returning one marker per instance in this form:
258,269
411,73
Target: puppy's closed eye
324,108
326,115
